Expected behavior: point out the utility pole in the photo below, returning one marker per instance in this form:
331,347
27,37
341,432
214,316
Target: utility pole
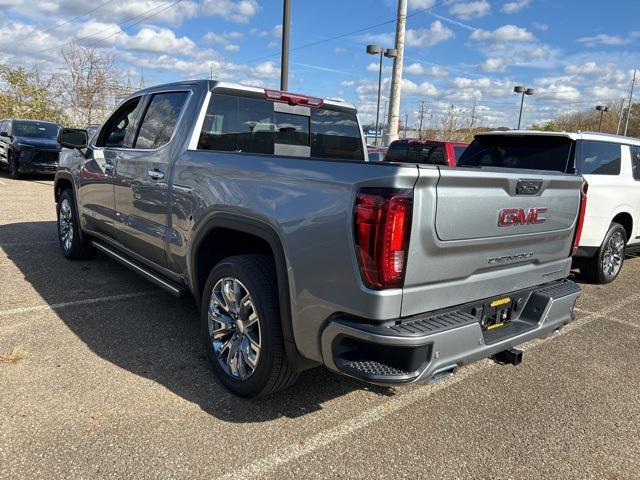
406,122
633,84
473,116
286,31
396,79
620,115
422,111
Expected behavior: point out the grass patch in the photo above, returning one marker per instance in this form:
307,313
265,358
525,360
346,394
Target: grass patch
15,356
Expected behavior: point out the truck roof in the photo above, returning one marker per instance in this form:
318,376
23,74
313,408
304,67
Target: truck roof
211,84
599,136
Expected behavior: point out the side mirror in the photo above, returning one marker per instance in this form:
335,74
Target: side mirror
73,138
4,134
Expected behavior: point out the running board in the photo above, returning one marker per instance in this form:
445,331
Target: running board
152,277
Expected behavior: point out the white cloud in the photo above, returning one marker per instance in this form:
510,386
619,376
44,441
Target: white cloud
427,37
611,40
267,70
421,4
375,66
467,11
232,48
221,38
495,64
339,50
158,40
425,88
274,32
239,11
506,33
516,6
432,71
585,68
543,27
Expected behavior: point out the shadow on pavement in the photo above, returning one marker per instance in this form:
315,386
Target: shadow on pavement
154,336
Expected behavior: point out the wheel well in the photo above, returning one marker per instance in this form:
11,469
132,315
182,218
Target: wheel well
222,243
62,185
626,221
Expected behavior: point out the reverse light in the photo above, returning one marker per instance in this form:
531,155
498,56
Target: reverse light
382,225
583,209
292,98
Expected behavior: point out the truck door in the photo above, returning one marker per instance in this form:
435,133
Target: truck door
142,178
96,202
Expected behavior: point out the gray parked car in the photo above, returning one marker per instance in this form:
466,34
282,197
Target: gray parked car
261,204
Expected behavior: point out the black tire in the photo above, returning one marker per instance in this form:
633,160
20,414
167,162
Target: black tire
598,269
77,247
272,372
14,171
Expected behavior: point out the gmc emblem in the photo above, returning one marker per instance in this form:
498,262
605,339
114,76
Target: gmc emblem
521,216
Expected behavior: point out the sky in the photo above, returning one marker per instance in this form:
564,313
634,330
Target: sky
575,53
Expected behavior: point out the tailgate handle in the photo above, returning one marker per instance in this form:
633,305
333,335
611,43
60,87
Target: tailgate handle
528,187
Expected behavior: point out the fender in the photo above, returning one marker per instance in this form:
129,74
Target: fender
264,231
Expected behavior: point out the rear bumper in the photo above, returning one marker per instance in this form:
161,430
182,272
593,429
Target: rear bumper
432,346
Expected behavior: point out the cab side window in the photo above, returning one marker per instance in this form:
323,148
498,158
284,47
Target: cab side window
397,152
635,162
114,133
600,158
160,119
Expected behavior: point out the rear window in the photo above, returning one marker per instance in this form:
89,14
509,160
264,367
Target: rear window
458,151
397,152
534,152
599,158
250,125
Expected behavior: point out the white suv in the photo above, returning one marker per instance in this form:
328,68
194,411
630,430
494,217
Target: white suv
610,165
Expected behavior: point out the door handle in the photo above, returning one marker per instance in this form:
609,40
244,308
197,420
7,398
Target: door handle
109,167
155,174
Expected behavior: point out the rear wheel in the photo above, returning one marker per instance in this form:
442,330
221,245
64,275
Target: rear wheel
606,264
74,247
14,171
241,326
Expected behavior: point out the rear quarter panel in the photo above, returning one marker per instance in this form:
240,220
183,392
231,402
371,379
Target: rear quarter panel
309,203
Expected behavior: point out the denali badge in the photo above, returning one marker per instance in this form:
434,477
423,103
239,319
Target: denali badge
510,258
521,216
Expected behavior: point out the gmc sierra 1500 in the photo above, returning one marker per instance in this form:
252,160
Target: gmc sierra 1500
262,204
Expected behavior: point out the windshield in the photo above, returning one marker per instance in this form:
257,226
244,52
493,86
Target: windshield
532,152
36,130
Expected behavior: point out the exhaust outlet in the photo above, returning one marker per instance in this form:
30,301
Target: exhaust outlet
512,356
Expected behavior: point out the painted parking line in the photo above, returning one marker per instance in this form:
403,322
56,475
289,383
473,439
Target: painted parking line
327,437
27,244
87,301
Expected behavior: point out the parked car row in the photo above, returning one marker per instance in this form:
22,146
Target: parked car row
262,205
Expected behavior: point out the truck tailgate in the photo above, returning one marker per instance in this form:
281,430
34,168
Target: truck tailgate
479,233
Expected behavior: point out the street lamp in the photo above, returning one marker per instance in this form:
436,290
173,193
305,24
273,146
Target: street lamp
389,53
524,91
601,109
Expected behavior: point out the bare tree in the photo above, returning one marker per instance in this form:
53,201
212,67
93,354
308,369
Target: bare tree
85,85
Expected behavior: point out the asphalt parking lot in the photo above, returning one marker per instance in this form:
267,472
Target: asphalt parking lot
109,380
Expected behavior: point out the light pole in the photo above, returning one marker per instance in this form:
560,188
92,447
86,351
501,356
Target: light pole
524,91
284,60
389,53
601,109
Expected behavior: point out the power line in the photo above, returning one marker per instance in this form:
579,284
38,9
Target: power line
139,19
58,25
347,34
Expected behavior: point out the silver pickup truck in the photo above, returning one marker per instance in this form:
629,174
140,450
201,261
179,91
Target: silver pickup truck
263,206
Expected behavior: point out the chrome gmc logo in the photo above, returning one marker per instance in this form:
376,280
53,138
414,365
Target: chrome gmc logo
521,216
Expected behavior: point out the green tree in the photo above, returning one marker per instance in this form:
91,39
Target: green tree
24,95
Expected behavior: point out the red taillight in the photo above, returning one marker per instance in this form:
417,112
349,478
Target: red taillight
382,224
292,98
581,214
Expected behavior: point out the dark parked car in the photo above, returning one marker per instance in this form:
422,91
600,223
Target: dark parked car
29,146
431,152
376,154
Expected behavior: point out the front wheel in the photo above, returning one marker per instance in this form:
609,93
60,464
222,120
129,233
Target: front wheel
14,170
241,326
606,264
74,247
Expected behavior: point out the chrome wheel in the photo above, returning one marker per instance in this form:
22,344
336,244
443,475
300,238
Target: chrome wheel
65,224
234,329
613,255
